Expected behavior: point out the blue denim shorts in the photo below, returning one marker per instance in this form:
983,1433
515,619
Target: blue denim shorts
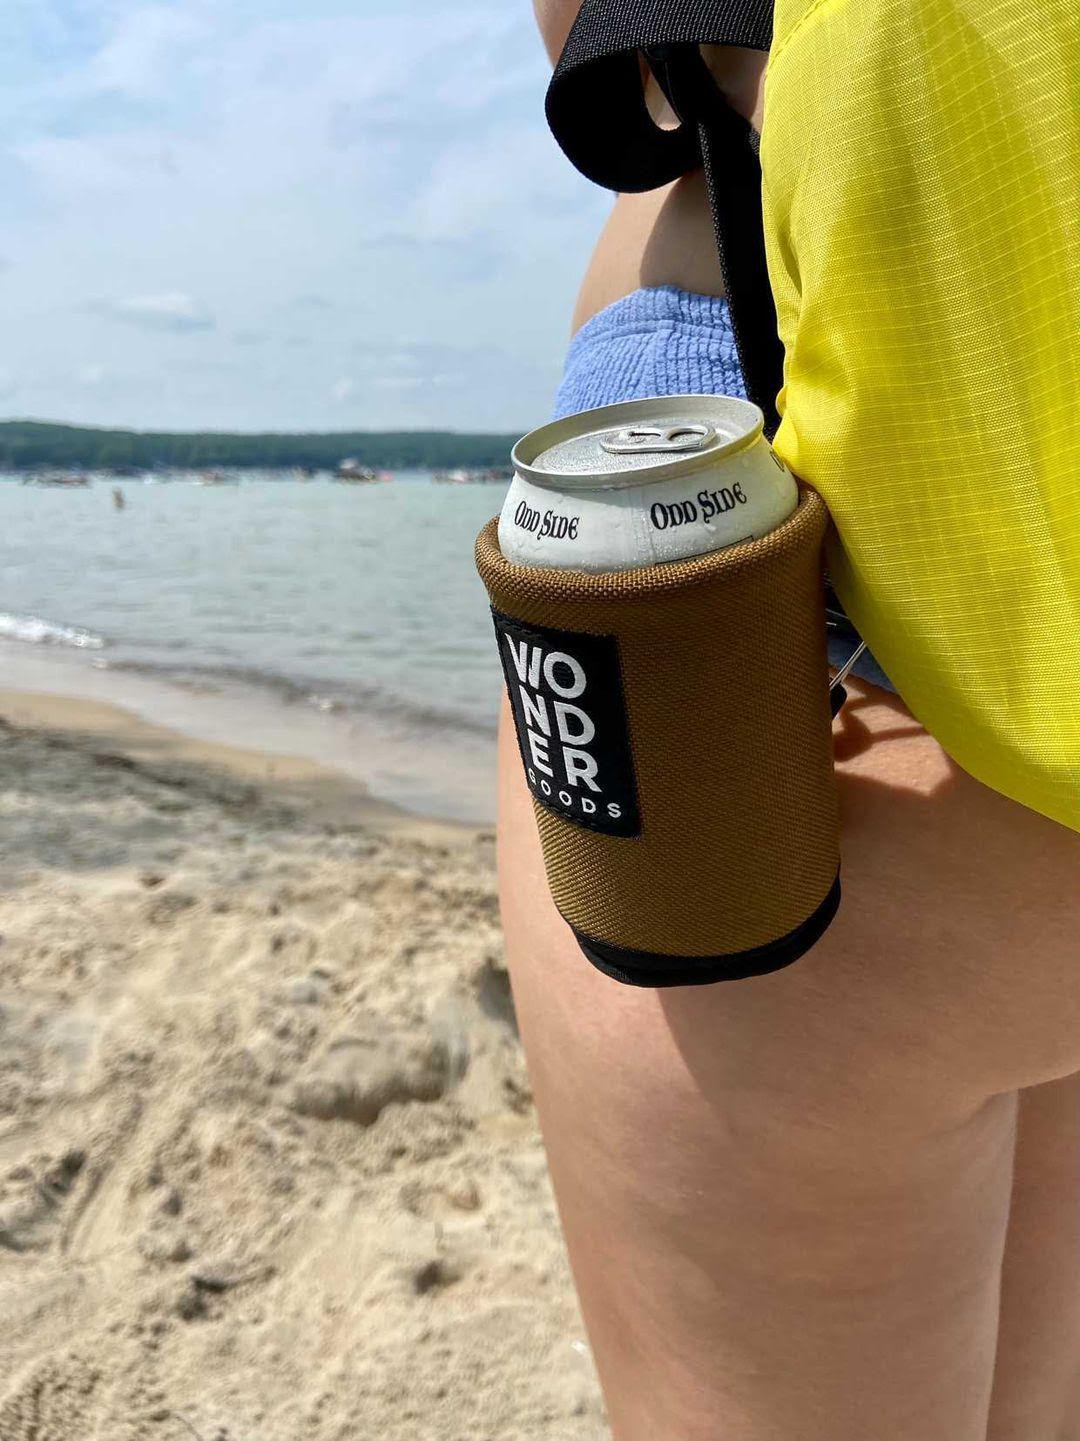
666,341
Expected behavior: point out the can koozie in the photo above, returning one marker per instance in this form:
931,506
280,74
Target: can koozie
675,731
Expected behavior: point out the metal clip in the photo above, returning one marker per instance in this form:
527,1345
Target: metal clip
837,689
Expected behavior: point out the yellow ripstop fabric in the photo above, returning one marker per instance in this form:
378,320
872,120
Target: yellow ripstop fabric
921,164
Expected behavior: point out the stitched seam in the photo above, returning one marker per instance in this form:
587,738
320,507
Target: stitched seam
804,19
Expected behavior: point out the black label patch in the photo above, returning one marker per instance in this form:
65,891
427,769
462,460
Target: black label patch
567,697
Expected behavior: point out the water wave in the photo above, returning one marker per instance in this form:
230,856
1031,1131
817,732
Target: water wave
326,696
35,631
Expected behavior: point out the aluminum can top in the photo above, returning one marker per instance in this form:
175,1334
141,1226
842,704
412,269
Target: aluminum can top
637,442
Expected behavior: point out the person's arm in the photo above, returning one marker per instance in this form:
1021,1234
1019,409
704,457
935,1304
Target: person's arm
664,237
555,18
740,75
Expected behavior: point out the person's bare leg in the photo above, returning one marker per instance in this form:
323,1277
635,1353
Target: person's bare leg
951,972
786,1198
1038,1359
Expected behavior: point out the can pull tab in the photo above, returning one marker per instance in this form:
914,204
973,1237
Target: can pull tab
658,439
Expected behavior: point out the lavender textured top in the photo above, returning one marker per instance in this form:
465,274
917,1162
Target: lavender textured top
666,341
661,341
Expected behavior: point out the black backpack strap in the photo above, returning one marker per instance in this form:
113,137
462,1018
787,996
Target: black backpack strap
597,112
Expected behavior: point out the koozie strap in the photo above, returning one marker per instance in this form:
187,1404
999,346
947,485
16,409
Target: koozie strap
597,111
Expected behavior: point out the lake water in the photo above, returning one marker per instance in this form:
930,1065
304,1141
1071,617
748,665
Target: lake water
343,622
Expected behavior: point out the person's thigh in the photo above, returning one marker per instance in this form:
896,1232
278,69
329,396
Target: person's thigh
786,1198
1038,1356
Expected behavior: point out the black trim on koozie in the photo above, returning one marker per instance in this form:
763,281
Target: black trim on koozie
643,968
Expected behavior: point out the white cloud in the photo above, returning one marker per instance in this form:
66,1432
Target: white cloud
148,46
287,181
73,172
170,310
342,389
406,382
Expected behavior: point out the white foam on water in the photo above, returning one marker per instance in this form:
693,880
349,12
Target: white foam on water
35,631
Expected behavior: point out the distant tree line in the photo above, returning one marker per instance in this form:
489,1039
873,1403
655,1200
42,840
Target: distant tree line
30,444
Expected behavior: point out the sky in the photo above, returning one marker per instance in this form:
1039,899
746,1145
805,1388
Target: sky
252,214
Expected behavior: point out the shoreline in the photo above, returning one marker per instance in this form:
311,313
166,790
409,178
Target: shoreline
322,793
384,771
283,618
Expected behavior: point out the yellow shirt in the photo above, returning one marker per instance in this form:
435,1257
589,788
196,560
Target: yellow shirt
921,165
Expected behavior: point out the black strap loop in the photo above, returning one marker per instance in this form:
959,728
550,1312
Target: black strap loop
596,102
597,111
733,178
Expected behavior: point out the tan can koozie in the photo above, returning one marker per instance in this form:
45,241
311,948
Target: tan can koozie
675,730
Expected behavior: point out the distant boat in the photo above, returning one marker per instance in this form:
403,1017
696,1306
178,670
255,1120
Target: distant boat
465,475
69,479
352,473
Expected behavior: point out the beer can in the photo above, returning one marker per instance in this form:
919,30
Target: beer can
643,482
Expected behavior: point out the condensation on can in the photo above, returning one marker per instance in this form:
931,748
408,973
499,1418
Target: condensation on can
642,483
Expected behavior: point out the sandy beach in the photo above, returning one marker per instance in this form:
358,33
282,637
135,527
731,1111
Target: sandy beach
269,1167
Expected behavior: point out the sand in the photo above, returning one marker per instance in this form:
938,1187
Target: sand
269,1166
